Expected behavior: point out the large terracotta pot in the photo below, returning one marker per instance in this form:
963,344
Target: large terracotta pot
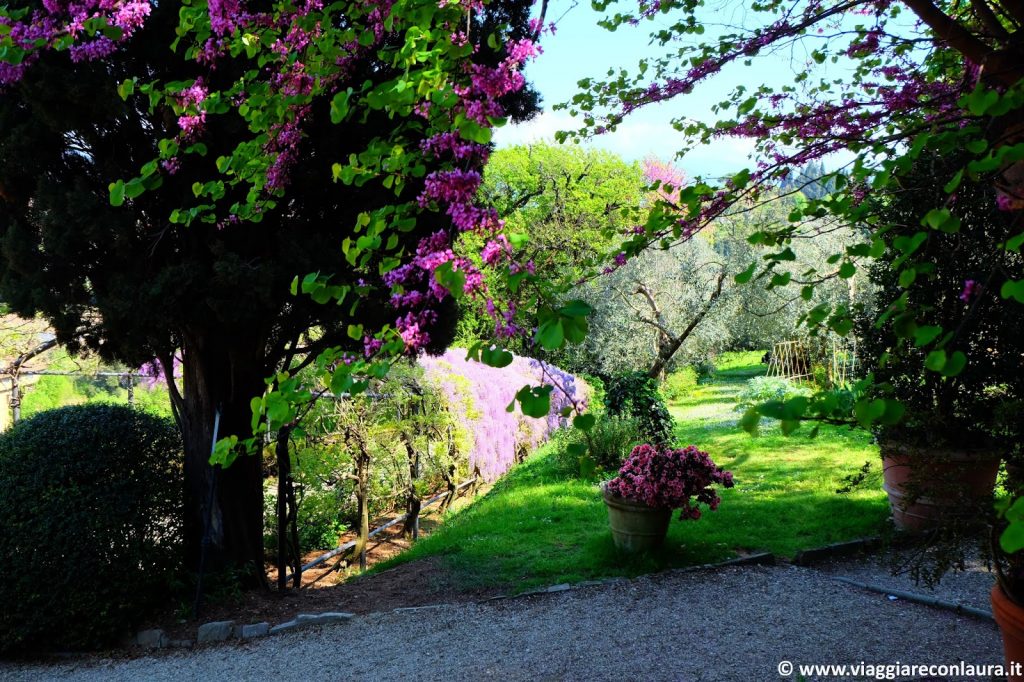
1010,619
635,526
928,486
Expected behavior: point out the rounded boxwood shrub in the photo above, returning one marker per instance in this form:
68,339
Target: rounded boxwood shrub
90,525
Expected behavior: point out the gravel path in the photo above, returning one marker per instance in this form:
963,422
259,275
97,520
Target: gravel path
731,624
969,587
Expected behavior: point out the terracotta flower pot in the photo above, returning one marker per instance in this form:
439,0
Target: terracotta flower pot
926,487
635,526
1010,619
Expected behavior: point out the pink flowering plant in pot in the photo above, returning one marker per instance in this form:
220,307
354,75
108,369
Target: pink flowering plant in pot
653,481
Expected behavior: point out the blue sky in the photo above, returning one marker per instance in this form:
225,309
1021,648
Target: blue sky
582,49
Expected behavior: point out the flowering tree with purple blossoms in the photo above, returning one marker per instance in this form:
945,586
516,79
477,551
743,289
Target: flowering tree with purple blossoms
168,169
938,78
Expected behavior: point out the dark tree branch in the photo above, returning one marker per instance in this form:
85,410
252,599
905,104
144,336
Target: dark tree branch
989,20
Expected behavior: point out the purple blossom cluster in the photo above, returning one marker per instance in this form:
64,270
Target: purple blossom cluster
666,478
478,395
889,95
291,71
42,29
454,190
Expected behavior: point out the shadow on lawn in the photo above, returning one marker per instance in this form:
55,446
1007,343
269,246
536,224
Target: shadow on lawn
541,525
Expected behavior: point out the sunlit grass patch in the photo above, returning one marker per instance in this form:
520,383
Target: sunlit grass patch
540,525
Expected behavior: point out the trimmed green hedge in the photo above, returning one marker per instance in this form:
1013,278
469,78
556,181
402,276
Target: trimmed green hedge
90,525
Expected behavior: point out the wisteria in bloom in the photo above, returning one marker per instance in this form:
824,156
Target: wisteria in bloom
152,373
666,478
479,395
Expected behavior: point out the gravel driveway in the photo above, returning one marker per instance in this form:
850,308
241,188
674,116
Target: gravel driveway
731,624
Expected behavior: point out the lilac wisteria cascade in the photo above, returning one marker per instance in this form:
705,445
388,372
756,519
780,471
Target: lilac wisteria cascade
499,436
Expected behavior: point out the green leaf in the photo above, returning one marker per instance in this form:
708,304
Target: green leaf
841,325
741,179
551,334
224,452
1013,289
1012,539
847,270
576,449
517,239
894,411
474,132
492,356
980,101
577,309
1013,244
955,182
942,220
134,188
256,406
750,420
117,193
535,401
925,335
746,106
451,279
935,360
588,467
584,422
867,412
340,106
744,277
955,364
126,88
341,380
974,147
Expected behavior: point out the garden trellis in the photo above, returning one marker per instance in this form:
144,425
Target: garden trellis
789,360
794,360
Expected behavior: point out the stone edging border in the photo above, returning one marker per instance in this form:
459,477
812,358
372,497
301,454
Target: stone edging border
837,550
222,631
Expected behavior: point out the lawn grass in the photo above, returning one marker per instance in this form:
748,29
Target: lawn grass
540,525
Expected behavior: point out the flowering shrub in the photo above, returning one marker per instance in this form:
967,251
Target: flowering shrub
499,435
663,477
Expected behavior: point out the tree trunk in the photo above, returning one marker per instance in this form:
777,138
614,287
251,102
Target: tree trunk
285,549
411,528
223,508
362,498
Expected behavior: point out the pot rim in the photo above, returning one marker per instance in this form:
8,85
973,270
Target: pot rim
895,449
618,500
